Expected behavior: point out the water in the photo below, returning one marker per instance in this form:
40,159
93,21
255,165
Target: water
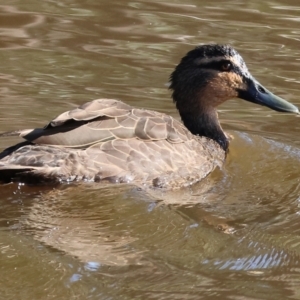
233,236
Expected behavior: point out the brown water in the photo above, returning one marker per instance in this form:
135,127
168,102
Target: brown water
234,236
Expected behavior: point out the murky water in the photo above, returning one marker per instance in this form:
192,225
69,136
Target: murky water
234,236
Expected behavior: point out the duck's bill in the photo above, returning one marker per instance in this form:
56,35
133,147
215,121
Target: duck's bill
258,94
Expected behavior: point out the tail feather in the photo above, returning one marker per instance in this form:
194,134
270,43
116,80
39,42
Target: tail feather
7,174
11,149
11,133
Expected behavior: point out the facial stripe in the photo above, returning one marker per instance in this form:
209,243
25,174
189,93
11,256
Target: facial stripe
208,60
238,63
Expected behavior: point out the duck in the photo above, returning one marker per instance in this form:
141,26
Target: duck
107,140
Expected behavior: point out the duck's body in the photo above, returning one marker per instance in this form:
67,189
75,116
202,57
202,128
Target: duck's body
109,140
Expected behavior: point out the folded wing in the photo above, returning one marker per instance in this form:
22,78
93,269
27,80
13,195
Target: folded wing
102,120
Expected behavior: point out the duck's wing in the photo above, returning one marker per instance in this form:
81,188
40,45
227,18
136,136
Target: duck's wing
102,120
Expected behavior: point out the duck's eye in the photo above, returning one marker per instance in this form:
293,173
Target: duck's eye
226,66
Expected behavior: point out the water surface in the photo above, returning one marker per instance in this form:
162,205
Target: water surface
234,236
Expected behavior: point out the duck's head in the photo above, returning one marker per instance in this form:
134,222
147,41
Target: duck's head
208,76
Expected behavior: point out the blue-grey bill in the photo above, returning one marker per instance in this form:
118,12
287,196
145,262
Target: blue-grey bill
258,94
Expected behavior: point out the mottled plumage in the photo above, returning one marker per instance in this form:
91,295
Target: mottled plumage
109,140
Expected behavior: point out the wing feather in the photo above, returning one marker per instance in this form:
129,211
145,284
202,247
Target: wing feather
102,120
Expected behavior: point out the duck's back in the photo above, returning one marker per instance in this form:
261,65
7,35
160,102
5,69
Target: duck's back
109,140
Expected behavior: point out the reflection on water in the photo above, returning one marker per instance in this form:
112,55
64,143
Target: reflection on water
233,236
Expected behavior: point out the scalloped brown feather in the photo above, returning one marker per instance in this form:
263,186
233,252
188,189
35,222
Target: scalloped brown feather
107,139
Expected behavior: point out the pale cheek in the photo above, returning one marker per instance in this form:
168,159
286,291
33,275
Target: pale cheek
238,84
225,90
234,83
223,87
234,86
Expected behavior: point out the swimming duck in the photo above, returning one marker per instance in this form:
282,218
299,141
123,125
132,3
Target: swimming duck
108,140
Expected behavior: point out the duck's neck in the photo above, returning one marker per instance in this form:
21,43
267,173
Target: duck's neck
206,123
